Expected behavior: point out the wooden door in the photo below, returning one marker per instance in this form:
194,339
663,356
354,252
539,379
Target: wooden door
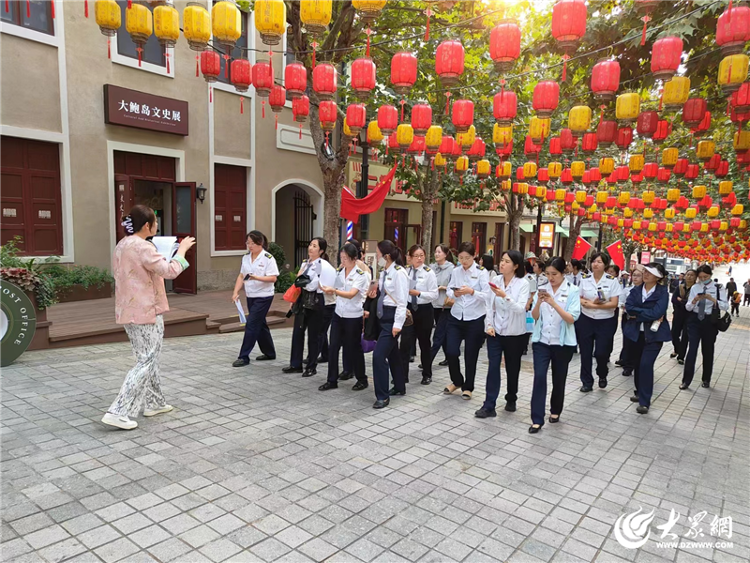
183,225
124,201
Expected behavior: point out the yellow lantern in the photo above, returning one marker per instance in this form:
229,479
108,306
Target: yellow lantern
369,9
560,194
554,169
433,137
523,188
627,107
651,226
742,140
108,16
138,24
743,225
462,162
669,157
733,72
601,196
705,150
502,136
316,15
505,185
676,93
579,119
648,197
623,198
581,196
575,206
440,160
713,211
704,228
669,213
636,163
166,24
483,168
529,170
699,192
627,213
723,226
196,22
577,168
620,223
405,136
606,166
504,170
374,134
539,129
226,23
686,227
725,187
669,227
466,140
637,225
690,213
738,209
541,192
347,130
673,194
270,20
648,213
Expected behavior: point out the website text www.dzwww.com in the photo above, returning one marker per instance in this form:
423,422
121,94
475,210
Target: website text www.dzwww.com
695,544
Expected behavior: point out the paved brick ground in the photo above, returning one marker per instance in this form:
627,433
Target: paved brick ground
255,465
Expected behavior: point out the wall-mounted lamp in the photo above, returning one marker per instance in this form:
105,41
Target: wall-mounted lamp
200,193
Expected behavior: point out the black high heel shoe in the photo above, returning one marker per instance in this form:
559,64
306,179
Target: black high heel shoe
554,420
534,428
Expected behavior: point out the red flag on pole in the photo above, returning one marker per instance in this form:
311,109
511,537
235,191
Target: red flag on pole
581,248
616,253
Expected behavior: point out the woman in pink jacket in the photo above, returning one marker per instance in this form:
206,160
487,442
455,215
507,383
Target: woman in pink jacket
140,301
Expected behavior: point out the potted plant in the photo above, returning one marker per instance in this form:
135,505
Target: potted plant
78,283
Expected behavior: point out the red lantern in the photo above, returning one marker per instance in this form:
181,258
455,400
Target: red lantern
356,117
301,109
363,78
277,100
546,96
680,167
295,79
622,173
463,115
569,23
542,175
722,169
692,172
210,65
477,150
606,133
741,98
530,148
650,170
663,130
665,57
737,117
694,111
505,107
566,177
733,30
712,163
663,176
241,73
595,175
328,113
263,78
568,142
589,143
421,118
449,62
387,119
624,137
417,145
504,152
703,126
636,178
325,80
647,123
505,44
446,146
403,72
555,147
605,80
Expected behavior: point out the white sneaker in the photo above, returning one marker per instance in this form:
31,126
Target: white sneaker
161,410
122,422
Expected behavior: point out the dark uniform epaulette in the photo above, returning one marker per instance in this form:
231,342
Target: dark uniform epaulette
269,255
609,276
586,275
360,272
427,269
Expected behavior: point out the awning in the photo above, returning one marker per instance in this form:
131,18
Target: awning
526,227
561,231
588,234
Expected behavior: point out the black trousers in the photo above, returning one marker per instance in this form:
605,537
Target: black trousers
418,332
746,300
700,333
386,355
645,354
472,334
735,308
310,320
594,341
346,333
512,348
256,329
679,332
439,339
328,311
559,358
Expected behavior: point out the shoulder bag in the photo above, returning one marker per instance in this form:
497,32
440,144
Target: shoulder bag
722,322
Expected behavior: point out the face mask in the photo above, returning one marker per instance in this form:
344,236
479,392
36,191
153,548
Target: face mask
706,282
381,262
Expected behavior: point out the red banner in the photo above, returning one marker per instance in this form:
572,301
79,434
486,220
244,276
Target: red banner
352,207
581,248
616,253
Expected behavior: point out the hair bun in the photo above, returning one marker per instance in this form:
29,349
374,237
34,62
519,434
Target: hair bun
127,222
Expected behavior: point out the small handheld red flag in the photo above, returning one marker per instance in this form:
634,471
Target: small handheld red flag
616,253
581,248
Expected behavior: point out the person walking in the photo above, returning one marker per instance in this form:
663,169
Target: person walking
348,371
736,298
505,326
680,317
140,302
596,327
258,275
746,287
310,314
627,358
423,290
443,267
647,329
349,289
731,287
468,287
393,296
704,296
557,306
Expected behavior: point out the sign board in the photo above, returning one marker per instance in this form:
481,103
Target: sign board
547,235
131,108
645,257
495,210
17,322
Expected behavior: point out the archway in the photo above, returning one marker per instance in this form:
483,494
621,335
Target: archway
297,217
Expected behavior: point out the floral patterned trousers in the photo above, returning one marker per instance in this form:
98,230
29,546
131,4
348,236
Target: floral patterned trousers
142,382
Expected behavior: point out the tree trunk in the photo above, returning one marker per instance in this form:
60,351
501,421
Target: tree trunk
428,195
332,182
514,209
575,231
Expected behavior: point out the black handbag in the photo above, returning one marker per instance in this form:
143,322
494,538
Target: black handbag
722,322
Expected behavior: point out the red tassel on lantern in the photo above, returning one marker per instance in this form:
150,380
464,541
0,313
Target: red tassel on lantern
645,20
139,55
226,66
447,103
28,9
86,7
52,8
565,67
197,65
428,13
263,112
166,56
402,102
300,131
130,4
242,104
315,47
7,6
109,47
210,94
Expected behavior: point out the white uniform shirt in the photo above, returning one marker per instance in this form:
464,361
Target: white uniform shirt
321,272
351,308
531,278
394,286
507,315
263,265
550,318
717,293
426,284
469,307
443,276
609,286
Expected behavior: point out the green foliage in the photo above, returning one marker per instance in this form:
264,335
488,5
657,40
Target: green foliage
278,254
285,279
87,276
283,282
32,282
